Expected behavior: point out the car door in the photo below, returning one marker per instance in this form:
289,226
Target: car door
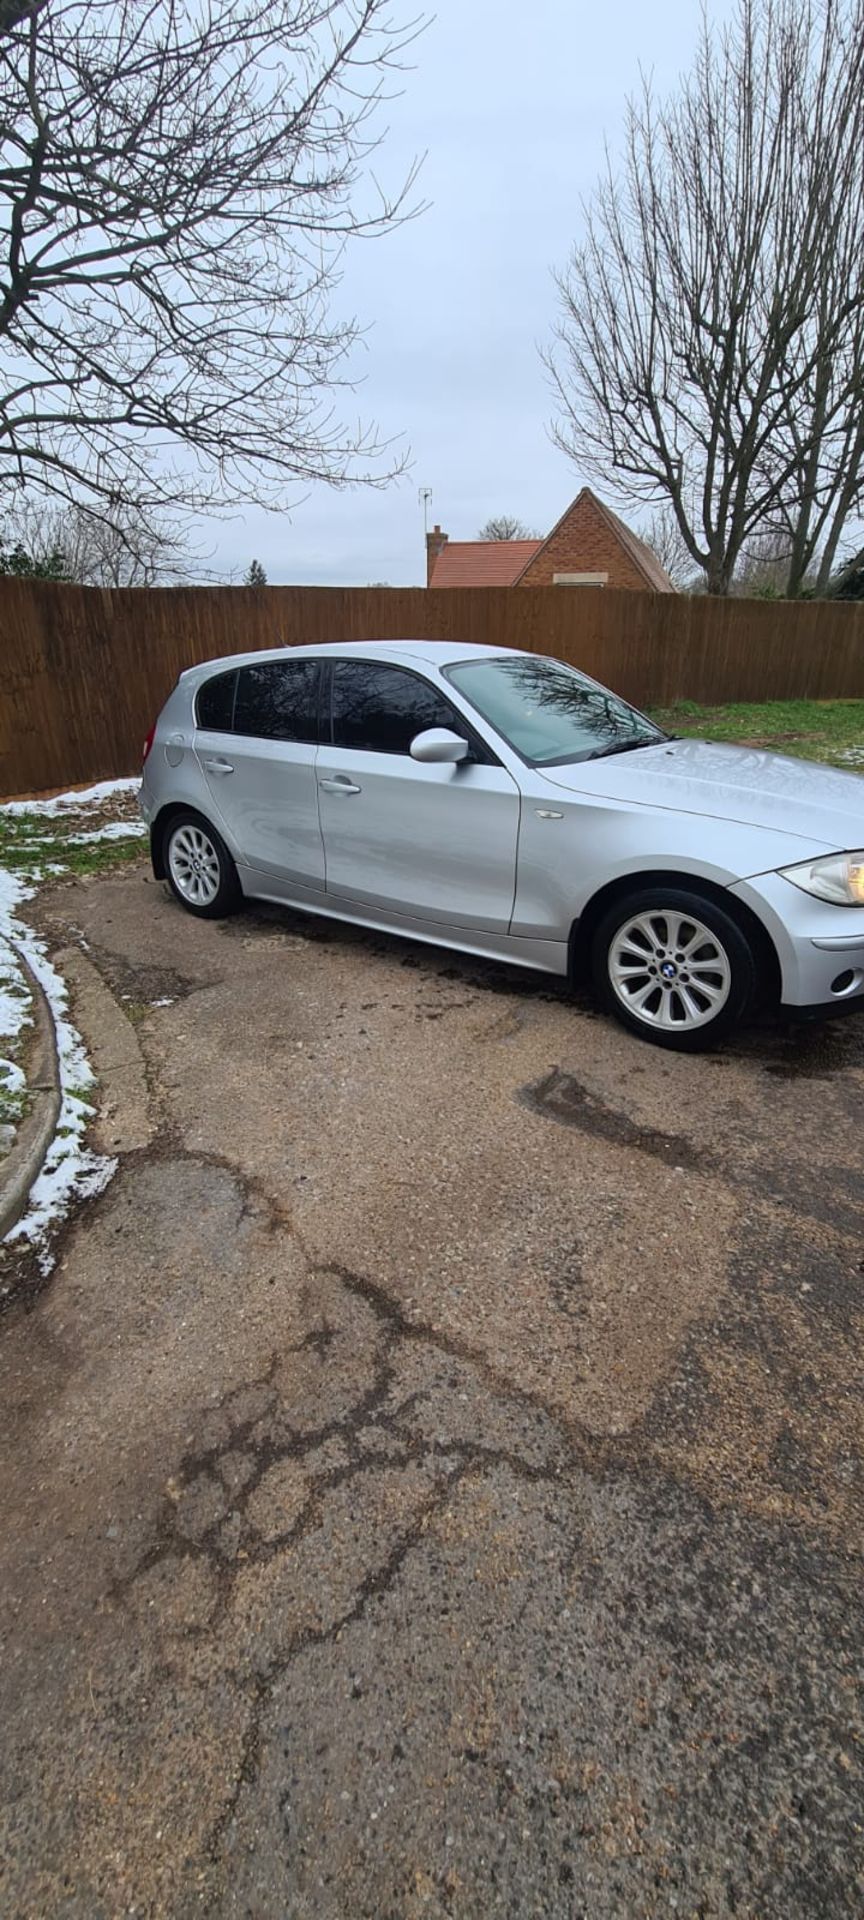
259,765
433,843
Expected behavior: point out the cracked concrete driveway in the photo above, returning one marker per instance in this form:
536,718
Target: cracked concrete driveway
431,1480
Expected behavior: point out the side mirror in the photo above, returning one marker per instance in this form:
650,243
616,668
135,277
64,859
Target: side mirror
439,747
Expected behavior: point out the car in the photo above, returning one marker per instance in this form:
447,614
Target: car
506,804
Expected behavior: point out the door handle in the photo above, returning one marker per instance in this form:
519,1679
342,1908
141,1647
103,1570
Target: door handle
339,784
218,766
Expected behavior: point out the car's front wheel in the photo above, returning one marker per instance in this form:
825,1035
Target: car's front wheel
200,870
674,967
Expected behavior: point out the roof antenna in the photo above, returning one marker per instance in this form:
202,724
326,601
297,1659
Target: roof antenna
424,495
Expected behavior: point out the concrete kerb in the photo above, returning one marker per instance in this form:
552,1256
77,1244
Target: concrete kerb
23,1163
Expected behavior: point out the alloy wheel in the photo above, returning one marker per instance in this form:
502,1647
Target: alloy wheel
194,864
669,970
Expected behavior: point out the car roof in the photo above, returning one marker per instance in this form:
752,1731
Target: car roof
436,653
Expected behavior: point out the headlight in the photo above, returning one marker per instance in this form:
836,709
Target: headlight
839,878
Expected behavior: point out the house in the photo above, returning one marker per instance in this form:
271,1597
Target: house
589,547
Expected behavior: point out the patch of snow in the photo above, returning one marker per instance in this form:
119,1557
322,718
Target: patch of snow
70,1172
852,756
115,830
71,802
162,1003
15,1009
12,1080
12,892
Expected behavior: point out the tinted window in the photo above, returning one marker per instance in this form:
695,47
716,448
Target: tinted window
214,706
549,712
382,709
278,700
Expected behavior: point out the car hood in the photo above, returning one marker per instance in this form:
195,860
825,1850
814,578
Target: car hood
795,797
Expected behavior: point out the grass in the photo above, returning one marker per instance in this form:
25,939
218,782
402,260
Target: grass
828,730
13,1106
33,845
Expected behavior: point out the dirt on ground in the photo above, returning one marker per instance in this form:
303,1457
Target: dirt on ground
431,1476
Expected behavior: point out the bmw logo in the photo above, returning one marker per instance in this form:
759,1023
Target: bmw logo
668,970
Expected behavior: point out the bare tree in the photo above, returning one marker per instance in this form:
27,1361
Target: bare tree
663,535
505,526
178,182
763,567
114,548
44,564
710,346
118,549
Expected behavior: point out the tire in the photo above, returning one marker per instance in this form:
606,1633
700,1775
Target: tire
704,994
198,867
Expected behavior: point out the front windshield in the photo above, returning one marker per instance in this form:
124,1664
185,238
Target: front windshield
550,713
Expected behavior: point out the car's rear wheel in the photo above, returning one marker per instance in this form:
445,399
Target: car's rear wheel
674,967
200,870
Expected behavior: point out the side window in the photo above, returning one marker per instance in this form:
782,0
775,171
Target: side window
382,709
214,703
278,700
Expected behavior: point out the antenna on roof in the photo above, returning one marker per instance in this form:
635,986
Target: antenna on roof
424,496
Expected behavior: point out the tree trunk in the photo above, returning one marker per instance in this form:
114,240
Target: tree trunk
718,575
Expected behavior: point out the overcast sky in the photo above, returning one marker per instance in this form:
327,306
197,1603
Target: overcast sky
511,106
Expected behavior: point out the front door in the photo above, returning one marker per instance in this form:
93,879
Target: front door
260,768
433,843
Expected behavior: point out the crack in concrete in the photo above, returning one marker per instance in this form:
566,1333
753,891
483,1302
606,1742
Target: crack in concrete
367,1413
376,1582
262,1438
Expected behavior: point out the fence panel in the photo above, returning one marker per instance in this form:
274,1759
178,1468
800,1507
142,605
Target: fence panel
84,671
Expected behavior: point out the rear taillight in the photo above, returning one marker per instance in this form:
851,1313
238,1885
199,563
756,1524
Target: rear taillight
148,744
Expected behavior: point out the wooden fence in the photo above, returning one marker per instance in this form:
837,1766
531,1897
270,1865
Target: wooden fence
84,671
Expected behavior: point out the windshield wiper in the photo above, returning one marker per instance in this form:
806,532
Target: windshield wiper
626,746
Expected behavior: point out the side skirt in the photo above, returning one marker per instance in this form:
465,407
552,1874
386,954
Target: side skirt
544,956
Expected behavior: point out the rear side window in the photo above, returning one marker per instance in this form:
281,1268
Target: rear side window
278,700
214,703
382,709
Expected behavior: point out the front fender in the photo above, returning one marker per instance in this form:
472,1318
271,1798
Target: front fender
570,849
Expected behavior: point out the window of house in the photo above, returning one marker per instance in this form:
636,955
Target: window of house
278,700
580,579
214,703
382,709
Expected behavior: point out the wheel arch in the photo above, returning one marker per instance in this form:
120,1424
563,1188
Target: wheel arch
159,832
582,930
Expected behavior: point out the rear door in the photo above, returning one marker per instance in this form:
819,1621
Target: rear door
434,843
258,762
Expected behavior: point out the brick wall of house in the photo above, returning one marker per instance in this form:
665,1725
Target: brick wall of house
584,543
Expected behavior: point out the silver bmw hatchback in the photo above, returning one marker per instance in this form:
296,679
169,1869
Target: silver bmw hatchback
506,805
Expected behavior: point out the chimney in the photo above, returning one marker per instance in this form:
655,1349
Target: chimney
436,541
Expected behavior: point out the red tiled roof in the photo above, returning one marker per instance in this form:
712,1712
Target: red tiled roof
482,563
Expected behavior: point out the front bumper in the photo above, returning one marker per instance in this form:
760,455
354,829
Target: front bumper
820,948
